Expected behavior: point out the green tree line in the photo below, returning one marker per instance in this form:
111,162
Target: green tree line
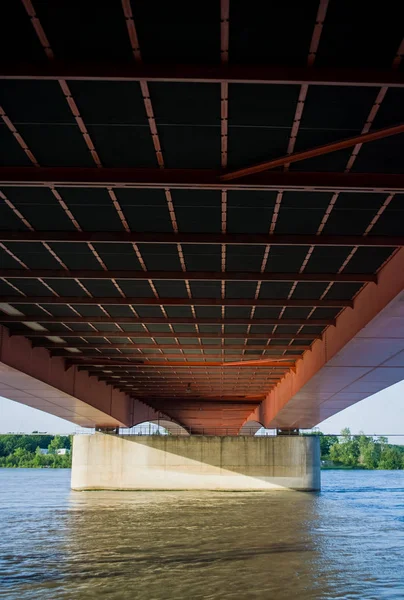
361,451
18,450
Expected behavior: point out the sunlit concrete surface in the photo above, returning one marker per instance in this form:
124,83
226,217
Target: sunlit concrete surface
195,463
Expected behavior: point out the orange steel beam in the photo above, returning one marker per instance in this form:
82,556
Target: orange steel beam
171,377
100,360
61,351
137,382
165,383
226,398
246,74
154,357
253,363
358,357
198,179
182,384
173,363
175,334
164,334
214,406
184,275
206,389
195,389
71,395
237,239
203,390
157,372
162,320
318,151
126,370
149,357
118,300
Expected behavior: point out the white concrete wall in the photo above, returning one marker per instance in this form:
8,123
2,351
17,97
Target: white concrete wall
102,461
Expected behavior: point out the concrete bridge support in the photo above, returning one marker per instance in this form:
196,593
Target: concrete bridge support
103,461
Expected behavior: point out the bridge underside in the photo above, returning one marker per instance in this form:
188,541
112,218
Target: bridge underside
212,244
361,355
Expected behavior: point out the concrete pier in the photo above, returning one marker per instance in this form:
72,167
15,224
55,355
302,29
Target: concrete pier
111,462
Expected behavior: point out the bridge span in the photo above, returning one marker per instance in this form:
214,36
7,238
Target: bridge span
200,228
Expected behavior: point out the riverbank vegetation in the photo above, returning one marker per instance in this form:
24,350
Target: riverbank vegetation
344,451
362,451
27,451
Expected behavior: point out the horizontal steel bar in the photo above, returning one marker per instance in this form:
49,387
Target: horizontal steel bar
184,387
160,360
363,138
75,334
198,179
237,239
170,379
205,390
213,363
101,360
247,74
196,378
119,301
165,334
184,275
215,388
156,358
201,395
232,403
127,369
60,350
162,320
216,381
184,382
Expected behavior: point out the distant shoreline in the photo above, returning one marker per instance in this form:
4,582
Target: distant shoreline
32,468
346,468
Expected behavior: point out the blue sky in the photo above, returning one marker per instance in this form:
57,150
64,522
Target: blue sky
382,413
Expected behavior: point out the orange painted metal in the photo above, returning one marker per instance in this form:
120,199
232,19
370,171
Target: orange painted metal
184,275
205,239
265,363
131,300
107,177
319,151
362,354
205,73
163,320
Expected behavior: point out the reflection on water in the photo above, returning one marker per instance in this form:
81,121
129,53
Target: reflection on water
346,542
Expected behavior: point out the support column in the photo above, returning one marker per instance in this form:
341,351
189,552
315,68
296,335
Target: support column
104,461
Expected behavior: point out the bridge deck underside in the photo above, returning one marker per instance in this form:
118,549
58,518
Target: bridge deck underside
139,242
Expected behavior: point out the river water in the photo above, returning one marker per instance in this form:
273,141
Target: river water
345,542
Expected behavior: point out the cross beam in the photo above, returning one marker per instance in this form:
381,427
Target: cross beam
120,301
240,239
198,179
318,151
183,275
263,347
167,334
266,364
155,334
224,73
169,376
161,321
102,361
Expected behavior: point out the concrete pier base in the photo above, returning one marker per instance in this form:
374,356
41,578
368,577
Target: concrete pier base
110,462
